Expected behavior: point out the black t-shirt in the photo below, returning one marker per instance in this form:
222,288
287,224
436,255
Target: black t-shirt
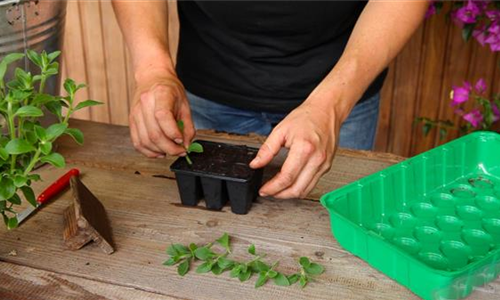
262,55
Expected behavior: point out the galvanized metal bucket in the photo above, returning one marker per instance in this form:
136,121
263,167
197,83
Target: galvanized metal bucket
31,24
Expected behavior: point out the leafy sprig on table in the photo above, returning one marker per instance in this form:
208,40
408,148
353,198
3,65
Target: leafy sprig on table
193,147
218,263
24,142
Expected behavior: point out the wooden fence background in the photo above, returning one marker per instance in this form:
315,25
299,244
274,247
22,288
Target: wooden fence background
419,81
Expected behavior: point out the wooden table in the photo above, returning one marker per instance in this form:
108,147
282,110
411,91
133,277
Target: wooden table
142,201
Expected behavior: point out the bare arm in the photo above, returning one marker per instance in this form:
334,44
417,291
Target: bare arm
160,98
311,131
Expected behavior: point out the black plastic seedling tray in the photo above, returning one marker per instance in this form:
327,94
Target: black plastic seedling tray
219,174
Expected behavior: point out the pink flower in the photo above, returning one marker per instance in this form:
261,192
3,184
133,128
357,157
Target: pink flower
474,118
468,13
480,35
480,86
460,94
431,10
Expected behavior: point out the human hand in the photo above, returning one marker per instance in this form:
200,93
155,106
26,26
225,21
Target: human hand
311,133
160,100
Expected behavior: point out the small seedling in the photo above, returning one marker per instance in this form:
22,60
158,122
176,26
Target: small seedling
193,147
218,263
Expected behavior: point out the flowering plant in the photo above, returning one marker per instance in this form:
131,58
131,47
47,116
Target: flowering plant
484,114
479,19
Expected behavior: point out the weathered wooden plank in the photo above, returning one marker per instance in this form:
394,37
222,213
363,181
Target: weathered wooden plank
90,14
116,72
20,282
74,56
109,147
146,218
384,118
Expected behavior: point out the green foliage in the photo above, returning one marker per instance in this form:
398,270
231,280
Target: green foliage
218,263
23,140
193,147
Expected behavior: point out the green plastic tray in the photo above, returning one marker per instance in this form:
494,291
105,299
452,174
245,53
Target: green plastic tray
432,222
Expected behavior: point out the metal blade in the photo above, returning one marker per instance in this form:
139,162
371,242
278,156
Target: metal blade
25,213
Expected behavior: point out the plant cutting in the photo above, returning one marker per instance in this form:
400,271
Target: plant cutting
218,263
193,147
24,141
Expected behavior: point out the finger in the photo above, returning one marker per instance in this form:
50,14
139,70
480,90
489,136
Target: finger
155,134
268,150
143,134
164,113
303,185
292,167
189,130
137,143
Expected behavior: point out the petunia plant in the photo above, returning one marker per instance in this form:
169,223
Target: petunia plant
24,141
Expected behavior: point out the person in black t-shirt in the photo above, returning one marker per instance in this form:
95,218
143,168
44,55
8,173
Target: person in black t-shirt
305,73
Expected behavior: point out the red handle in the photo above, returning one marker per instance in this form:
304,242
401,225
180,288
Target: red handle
57,186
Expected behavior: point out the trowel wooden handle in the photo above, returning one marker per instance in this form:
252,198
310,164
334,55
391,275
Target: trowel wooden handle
57,186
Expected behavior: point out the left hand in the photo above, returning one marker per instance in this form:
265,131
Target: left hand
311,133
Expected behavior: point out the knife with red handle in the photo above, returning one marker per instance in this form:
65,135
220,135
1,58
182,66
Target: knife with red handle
54,189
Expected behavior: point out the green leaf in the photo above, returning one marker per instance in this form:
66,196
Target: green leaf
52,56
12,223
195,147
204,267
426,128
304,262
235,271
69,86
203,253
281,280
183,268
442,133
217,270
54,107
293,278
8,59
55,159
19,146
7,188
244,276
260,266
224,239
272,273
20,180
46,147
40,99
4,154
15,200
170,262
3,205
172,251
29,195
55,130
87,103
303,281
193,247
181,249
261,280
225,263
251,249
467,31
29,111
40,133
76,134
34,57
314,269
180,124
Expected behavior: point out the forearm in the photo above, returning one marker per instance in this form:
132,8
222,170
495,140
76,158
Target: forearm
144,25
379,35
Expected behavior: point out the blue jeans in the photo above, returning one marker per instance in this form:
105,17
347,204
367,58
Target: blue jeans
357,132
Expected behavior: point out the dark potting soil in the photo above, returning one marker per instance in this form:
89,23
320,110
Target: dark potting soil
223,161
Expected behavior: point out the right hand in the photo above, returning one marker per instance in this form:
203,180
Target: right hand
159,102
